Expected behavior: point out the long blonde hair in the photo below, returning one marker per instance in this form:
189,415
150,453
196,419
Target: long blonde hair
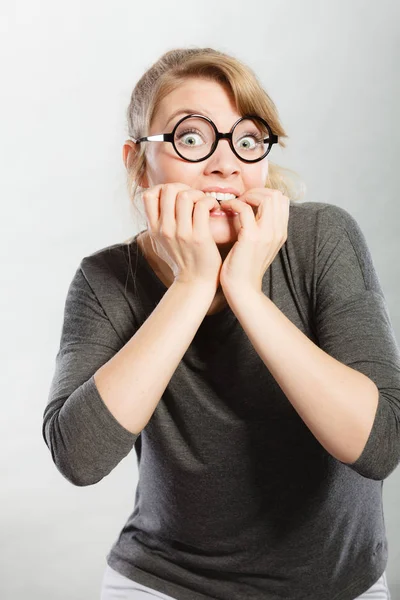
171,70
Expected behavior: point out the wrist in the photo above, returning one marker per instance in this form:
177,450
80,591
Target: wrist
200,286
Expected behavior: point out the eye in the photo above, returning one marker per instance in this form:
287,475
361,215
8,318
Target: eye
253,139
189,135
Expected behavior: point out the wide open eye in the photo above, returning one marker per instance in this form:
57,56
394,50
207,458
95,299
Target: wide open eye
189,137
250,141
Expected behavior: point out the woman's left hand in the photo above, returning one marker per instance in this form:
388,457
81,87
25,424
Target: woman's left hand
259,240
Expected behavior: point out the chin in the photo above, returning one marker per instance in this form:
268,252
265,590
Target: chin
224,230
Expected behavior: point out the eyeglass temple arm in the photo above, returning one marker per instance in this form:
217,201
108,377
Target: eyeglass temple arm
162,137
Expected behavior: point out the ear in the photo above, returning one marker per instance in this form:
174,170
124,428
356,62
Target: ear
127,148
129,151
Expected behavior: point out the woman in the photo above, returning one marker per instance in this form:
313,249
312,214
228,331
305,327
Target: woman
252,362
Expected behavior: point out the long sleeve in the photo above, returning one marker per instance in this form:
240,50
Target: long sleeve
85,439
353,325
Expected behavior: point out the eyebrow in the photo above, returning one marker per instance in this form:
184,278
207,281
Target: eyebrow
187,111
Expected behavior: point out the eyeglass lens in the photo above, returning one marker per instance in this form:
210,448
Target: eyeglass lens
194,138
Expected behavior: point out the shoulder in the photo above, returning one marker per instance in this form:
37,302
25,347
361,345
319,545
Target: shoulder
317,233
316,220
109,262
108,274
321,213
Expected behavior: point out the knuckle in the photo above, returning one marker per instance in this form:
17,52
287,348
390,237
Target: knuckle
198,239
182,236
145,195
202,237
183,195
200,204
166,233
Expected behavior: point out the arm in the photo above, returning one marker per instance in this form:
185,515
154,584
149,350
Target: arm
346,388
337,403
103,392
133,381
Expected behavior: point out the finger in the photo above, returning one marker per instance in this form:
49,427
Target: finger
278,211
201,215
256,198
151,203
253,198
184,210
246,214
167,201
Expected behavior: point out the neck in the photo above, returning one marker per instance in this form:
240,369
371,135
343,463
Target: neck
224,249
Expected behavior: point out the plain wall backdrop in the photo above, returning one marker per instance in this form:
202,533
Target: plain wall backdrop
67,72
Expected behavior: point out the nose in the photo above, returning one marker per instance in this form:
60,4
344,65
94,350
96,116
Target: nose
223,160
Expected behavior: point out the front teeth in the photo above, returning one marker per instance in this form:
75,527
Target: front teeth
220,196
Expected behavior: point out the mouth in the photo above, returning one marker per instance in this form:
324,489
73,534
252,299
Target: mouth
221,198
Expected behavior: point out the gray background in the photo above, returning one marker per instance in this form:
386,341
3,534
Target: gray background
67,71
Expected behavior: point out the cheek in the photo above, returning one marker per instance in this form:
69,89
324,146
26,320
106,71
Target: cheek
172,169
256,175
264,171
261,173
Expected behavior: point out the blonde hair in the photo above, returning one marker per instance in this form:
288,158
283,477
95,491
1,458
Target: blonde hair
171,70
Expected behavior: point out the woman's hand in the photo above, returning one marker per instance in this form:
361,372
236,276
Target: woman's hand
259,240
178,219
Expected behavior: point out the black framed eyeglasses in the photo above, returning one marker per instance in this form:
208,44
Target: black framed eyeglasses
195,138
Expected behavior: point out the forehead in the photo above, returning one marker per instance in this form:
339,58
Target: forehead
200,96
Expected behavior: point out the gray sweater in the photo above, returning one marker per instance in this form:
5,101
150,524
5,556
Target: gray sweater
236,499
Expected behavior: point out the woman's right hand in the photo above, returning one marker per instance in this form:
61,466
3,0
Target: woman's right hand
178,226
